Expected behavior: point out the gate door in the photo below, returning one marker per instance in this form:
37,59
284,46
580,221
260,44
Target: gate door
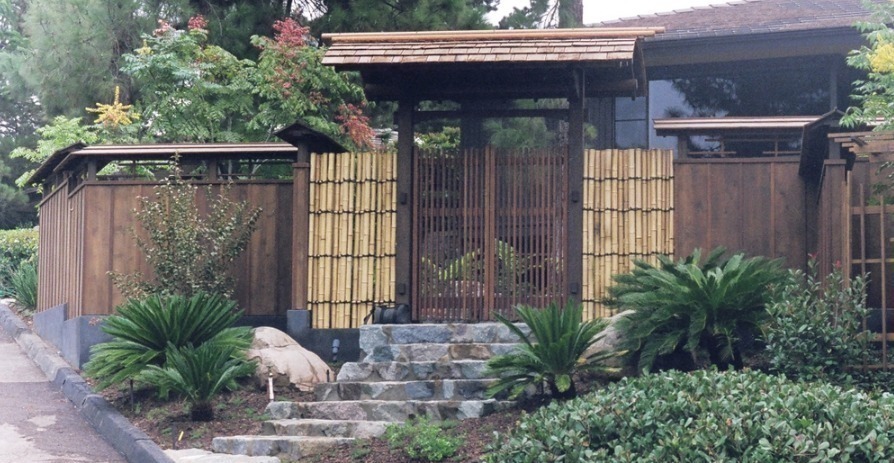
489,232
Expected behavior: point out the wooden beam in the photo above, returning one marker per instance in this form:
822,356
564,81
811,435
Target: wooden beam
423,116
403,271
300,227
575,171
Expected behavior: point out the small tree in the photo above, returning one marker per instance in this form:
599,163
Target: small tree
190,252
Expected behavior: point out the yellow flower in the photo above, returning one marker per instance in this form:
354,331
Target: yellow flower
116,114
882,58
144,50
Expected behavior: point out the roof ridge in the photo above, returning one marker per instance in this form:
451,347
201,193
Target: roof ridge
713,6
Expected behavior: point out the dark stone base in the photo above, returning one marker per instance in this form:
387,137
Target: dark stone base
72,337
319,341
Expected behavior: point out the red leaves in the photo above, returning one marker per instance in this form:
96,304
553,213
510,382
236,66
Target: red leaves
197,22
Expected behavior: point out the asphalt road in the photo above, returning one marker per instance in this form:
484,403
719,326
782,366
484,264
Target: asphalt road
37,423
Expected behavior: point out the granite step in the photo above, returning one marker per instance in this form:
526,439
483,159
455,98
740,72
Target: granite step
291,447
372,336
387,410
446,389
324,428
412,371
430,352
204,456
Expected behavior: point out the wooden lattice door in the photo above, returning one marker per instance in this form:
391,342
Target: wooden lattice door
489,231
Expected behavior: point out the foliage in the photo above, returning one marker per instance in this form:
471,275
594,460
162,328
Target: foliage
706,416
815,331
23,285
293,83
199,373
189,252
875,94
545,14
552,353
61,132
144,329
447,138
422,440
689,306
403,15
17,247
191,90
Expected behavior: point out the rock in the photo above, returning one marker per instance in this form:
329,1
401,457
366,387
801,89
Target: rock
291,365
611,341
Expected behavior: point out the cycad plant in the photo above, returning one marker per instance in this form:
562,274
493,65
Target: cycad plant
692,307
551,353
144,329
198,374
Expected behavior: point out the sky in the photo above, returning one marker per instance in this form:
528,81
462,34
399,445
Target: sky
605,10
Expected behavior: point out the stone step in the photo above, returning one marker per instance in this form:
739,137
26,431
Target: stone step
440,389
325,428
204,456
431,352
290,447
412,371
387,410
372,336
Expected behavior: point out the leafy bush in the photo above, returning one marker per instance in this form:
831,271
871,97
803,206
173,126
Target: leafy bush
16,247
551,354
421,439
23,285
706,416
689,307
143,331
189,253
199,373
815,330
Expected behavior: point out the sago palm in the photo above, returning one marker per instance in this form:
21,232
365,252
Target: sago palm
143,329
689,307
551,353
198,374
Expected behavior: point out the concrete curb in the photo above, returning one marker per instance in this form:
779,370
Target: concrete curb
132,443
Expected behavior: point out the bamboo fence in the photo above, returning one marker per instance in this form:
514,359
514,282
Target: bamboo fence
352,236
628,214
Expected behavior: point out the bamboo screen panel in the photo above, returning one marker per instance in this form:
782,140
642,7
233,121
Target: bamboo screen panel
352,236
628,214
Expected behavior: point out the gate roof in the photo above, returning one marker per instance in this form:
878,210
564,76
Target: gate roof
494,64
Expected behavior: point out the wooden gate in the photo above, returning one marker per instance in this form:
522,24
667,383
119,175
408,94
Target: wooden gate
489,231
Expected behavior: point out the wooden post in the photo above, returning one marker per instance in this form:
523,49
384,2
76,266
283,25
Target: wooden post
300,230
575,173
403,258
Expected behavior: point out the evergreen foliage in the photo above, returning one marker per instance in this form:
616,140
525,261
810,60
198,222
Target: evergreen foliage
689,307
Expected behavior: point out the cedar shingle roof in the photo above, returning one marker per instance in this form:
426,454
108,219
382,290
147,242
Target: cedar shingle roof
745,17
520,46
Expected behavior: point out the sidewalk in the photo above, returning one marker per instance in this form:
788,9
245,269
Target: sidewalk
37,422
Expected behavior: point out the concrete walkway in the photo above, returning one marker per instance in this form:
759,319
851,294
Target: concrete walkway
37,422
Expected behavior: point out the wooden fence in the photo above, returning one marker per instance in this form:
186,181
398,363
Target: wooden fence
628,214
352,236
754,205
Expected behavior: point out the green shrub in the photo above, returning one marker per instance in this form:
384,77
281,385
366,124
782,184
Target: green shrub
199,374
551,354
189,252
16,247
421,439
144,329
706,416
688,307
815,330
23,286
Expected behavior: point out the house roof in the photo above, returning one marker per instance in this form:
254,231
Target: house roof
516,46
747,17
708,125
493,64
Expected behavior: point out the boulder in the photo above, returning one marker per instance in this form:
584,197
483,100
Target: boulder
611,341
292,366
